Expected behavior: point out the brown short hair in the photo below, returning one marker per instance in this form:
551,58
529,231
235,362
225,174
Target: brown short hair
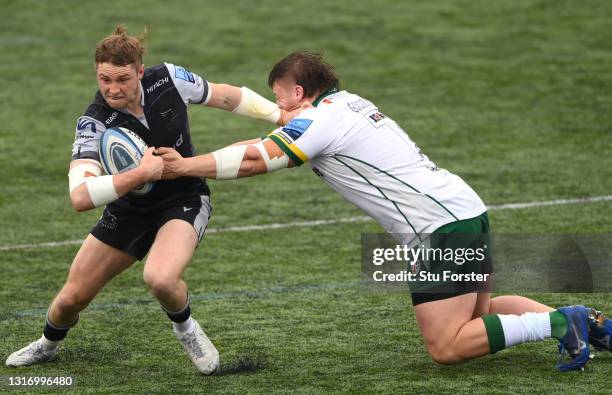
308,69
121,49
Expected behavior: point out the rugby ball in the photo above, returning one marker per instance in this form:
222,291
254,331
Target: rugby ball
121,150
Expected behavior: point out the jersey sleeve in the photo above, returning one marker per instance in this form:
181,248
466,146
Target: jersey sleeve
309,135
192,87
87,138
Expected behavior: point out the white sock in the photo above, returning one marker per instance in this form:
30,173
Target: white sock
184,327
49,345
529,327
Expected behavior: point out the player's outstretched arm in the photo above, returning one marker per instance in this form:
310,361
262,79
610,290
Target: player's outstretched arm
234,161
90,189
243,101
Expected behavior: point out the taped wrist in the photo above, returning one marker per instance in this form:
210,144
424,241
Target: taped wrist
228,161
274,164
253,105
101,190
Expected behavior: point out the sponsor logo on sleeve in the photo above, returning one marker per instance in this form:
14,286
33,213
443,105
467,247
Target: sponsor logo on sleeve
183,74
297,127
87,137
87,126
375,117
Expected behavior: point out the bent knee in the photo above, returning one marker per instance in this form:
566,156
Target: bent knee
70,301
444,354
159,284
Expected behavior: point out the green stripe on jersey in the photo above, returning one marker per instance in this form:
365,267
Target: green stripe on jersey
402,182
281,144
383,194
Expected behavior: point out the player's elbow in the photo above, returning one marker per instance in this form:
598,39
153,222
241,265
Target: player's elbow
80,202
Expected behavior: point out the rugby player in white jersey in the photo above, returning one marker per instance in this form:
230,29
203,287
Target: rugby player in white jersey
169,221
372,163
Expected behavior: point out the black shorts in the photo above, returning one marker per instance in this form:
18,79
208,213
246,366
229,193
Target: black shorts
135,233
470,234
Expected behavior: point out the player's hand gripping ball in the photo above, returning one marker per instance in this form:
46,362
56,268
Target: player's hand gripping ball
121,150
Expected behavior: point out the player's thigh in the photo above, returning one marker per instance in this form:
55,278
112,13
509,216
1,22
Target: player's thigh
441,320
182,228
95,264
172,250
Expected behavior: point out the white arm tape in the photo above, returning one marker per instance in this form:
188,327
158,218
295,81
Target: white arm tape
228,161
255,106
272,164
78,173
101,190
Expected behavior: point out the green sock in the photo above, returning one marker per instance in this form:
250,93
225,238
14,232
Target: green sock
558,324
495,332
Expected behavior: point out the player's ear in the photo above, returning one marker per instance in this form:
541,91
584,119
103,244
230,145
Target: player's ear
140,71
299,92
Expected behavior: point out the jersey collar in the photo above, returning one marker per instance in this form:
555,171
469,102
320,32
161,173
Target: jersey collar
141,95
324,95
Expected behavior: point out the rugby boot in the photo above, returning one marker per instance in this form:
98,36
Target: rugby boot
31,354
575,342
200,349
600,330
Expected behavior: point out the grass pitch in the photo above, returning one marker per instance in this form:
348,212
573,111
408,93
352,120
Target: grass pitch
512,96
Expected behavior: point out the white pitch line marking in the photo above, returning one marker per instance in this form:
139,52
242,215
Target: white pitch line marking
247,228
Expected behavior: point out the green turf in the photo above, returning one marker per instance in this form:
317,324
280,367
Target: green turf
513,96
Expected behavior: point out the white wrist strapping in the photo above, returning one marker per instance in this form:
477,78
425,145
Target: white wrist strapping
255,106
79,173
272,164
101,190
228,161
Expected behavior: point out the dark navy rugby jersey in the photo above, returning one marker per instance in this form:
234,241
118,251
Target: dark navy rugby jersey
166,90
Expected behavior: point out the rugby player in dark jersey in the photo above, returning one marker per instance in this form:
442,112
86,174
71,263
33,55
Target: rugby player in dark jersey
166,223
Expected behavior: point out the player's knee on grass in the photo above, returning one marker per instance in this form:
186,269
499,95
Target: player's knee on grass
443,353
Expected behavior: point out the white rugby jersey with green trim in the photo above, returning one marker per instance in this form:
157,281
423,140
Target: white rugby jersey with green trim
372,163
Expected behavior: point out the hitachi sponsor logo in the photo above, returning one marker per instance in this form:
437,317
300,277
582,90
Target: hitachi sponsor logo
157,84
111,118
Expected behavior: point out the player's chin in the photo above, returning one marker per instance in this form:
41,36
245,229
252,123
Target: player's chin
116,102
283,105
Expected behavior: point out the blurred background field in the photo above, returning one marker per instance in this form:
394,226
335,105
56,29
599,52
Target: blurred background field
513,96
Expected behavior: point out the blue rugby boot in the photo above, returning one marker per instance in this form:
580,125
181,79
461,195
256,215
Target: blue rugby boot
600,330
576,340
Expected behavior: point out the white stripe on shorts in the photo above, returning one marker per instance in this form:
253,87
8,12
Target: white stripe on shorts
201,221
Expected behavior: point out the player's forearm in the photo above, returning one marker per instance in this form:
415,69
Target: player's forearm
81,197
203,166
208,166
245,102
131,179
234,161
224,96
